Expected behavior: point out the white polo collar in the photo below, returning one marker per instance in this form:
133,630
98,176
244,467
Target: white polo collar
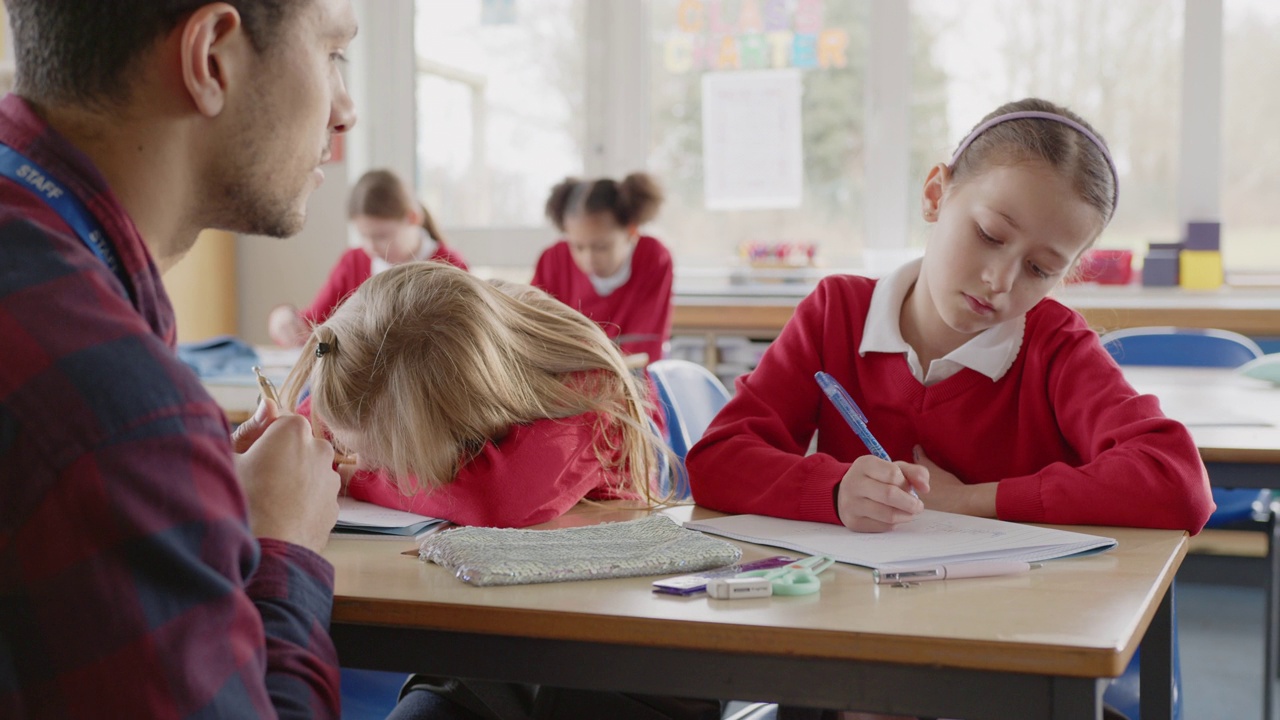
990,352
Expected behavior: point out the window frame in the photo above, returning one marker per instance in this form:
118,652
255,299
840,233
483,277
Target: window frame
617,82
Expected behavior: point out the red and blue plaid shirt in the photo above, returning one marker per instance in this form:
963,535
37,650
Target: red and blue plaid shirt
130,585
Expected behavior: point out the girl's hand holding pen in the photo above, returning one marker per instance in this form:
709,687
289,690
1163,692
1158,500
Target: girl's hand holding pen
875,495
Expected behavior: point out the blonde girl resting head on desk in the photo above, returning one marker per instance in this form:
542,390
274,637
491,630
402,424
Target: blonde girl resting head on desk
992,399
484,404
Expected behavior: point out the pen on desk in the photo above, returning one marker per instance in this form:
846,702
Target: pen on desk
953,571
268,390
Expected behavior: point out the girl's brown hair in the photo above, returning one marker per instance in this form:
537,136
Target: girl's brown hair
382,194
634,201
1061,146
427,363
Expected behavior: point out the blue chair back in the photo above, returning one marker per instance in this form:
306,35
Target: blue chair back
691,396
1180,347
1194,347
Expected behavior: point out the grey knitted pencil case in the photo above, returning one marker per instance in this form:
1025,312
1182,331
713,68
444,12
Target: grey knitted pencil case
654,545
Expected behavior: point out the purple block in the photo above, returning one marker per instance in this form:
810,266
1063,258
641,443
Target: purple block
1174,246
1160,269
1203,236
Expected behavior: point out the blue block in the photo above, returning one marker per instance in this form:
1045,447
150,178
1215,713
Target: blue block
1204,236
1160,269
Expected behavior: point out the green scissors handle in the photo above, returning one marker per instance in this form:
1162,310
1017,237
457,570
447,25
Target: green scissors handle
797,578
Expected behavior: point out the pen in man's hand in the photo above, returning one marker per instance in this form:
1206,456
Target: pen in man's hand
269,393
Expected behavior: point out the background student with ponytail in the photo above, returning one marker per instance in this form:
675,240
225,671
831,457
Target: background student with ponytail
604,267
393,227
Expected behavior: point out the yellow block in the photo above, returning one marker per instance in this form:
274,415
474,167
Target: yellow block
1200,269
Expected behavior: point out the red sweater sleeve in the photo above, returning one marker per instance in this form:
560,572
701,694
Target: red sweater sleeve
352,269
1140,468
534,474
752,457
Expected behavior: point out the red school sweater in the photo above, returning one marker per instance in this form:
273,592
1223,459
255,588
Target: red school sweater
1067,438
352,269
534,474
640,307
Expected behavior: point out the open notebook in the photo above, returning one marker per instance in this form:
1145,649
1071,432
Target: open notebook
933,537
356,516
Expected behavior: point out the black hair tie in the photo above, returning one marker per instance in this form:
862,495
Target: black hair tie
324,347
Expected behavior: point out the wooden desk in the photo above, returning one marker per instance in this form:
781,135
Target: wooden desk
1245,311
238,401
1037,645
1207,400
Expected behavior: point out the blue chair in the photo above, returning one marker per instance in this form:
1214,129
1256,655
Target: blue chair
1194,347
1180,347
691,396
1184,347
370,694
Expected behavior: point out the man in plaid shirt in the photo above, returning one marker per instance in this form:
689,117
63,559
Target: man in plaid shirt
149,566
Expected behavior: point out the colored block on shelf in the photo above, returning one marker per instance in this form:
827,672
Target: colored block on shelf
1105,267
1200,269
1160,269
1204,236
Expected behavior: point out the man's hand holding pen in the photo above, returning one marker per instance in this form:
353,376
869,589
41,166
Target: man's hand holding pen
288,476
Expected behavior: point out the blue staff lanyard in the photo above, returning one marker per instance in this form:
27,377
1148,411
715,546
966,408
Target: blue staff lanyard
24,171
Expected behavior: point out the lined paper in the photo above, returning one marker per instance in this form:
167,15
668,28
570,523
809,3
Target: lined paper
933,537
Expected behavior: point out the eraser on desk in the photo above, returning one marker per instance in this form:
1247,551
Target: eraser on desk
737,588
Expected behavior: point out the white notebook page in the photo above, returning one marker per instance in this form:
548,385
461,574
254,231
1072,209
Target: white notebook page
933,537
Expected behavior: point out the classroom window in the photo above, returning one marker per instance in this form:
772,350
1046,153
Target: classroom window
728,59
500,89
1251,147
1117,64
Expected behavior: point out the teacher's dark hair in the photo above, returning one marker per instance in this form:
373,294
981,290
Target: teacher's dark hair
82,51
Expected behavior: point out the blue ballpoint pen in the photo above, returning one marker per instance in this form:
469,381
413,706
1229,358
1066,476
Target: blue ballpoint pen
852,414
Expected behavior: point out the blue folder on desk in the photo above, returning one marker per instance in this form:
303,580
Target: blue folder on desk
223,358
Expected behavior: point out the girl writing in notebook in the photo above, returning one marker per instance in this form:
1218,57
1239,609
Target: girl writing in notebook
604,267
393,227
990,398
478,403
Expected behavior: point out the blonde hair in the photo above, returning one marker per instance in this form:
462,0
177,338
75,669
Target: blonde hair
428,363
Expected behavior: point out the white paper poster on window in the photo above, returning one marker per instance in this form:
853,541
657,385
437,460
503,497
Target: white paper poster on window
752,150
